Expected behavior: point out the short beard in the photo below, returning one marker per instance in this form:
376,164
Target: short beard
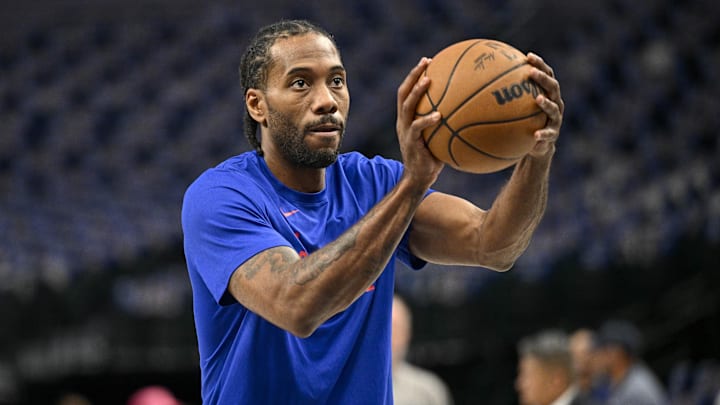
291,144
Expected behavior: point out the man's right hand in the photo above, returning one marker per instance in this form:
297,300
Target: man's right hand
419,163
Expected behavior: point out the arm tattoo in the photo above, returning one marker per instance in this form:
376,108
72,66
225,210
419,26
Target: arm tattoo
314,265
274,260
303,271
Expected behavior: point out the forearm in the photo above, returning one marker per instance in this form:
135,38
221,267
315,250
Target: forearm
345,268
517,211
300,294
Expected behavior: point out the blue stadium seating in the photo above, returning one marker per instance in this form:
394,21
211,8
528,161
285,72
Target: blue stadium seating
103,124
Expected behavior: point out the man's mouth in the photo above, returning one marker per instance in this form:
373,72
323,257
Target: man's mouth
325,129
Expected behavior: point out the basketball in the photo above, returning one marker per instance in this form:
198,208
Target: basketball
487,101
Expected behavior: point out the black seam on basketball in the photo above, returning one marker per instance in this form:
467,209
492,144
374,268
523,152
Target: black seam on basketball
486,85
456,135
452,73
434,105
514,119
476,149
443,123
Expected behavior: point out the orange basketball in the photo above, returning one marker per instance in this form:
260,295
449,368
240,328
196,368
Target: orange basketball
487,101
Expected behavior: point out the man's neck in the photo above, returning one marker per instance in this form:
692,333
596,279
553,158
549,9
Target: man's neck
305,180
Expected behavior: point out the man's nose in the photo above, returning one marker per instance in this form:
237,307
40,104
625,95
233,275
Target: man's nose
324,101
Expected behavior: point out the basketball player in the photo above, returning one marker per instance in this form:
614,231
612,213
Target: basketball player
291,247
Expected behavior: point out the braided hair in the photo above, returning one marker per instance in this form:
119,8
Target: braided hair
255,63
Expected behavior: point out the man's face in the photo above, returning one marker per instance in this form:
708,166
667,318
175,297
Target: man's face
608,356
536,383
307,101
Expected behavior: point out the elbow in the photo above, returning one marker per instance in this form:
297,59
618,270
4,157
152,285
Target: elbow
301,323
302,329
304,321
501,266
303,315
302,332
501,261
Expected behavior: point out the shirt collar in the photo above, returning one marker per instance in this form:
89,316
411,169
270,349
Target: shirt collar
566,397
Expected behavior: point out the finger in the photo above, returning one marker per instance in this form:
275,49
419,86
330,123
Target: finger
410,80
545,76
552,129
546,135
538,62
426,121
550,86
551,108
411,101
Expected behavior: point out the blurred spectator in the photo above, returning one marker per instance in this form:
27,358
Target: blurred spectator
545,370
585,363
412,385
631,381
153,395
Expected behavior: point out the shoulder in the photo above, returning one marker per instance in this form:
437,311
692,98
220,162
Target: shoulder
640,386
240,172
357,165
359,159
232,169
237,180
641,375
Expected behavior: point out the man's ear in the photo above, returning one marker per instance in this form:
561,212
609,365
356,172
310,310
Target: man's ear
256,106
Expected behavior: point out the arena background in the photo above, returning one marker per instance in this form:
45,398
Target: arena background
109,109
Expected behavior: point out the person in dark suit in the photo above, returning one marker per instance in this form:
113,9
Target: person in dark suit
631,381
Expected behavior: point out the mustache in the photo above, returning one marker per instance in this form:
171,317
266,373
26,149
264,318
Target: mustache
325,119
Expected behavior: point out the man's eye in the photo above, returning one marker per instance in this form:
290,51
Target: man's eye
338,81
300,83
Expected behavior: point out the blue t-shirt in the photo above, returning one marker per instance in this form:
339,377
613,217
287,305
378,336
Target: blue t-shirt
238,209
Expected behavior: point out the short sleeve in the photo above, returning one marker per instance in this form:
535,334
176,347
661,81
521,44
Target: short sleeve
222,228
